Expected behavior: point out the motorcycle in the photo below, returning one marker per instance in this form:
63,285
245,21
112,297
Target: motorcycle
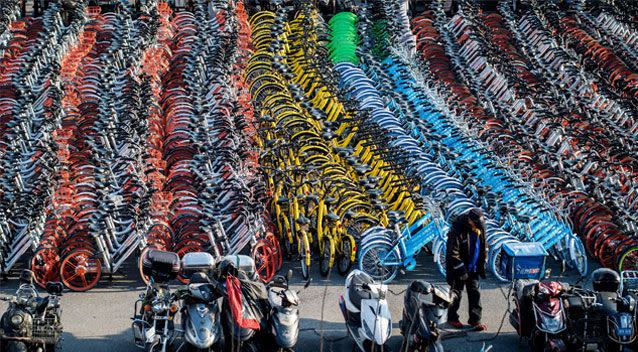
153,326
365,310
629,287
200,308
31,323
539,314
601,319
284,314
616,310
424,308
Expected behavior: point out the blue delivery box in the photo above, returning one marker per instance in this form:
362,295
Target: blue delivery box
523,260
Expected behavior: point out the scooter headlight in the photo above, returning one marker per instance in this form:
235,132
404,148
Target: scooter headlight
552,324
17,319
159,307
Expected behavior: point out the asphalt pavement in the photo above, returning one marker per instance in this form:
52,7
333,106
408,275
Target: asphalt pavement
99,320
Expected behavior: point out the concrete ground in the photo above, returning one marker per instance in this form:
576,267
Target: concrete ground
99,320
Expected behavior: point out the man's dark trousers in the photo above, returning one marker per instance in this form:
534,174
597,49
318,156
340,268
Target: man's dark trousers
473,295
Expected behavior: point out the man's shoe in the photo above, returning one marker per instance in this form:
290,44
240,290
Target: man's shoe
456,324
479,327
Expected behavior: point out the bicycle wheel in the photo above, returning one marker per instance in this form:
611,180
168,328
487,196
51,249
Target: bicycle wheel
374,260
629,260
495,263
304,252
80,271
274,245
578,255
326,256
140,266
439,257
45,265
287,247
264,264
344,260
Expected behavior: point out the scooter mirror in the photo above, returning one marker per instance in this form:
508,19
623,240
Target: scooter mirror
548,272
289,275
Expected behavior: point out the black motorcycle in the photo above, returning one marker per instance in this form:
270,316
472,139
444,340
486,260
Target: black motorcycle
424,308
602,319
31,323
153,326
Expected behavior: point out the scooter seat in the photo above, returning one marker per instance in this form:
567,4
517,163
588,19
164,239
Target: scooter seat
607,300
199,278
356,292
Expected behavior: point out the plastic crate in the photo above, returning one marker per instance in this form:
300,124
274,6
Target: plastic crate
523,260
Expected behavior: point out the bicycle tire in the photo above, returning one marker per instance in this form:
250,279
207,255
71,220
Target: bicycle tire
439,257
304,254
326,255
344,260
370,259
629,260
578,256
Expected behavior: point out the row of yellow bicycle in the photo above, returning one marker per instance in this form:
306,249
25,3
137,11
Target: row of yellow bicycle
329,183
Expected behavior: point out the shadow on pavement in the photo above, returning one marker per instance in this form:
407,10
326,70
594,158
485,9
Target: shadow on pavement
113,343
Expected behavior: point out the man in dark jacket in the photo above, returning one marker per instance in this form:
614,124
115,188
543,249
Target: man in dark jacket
465,263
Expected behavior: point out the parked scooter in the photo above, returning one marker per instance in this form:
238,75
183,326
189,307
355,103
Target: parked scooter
31,323
629,287
239,335
601,319
539,314
200,307
153,325
424,308
284,314
618,311
366,312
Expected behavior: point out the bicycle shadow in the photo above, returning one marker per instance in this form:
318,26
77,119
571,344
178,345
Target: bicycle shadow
120,342
318,336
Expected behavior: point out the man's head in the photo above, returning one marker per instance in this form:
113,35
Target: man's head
475,217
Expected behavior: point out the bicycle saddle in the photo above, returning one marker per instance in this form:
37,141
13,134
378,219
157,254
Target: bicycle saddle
302,220
361,169
396,215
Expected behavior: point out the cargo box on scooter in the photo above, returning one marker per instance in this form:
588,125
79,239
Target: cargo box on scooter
523,260
197,262
160,265
243,263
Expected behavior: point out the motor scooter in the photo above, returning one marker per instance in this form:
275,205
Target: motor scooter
539,314
284,312
244,319
366,312
200,314
424,308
